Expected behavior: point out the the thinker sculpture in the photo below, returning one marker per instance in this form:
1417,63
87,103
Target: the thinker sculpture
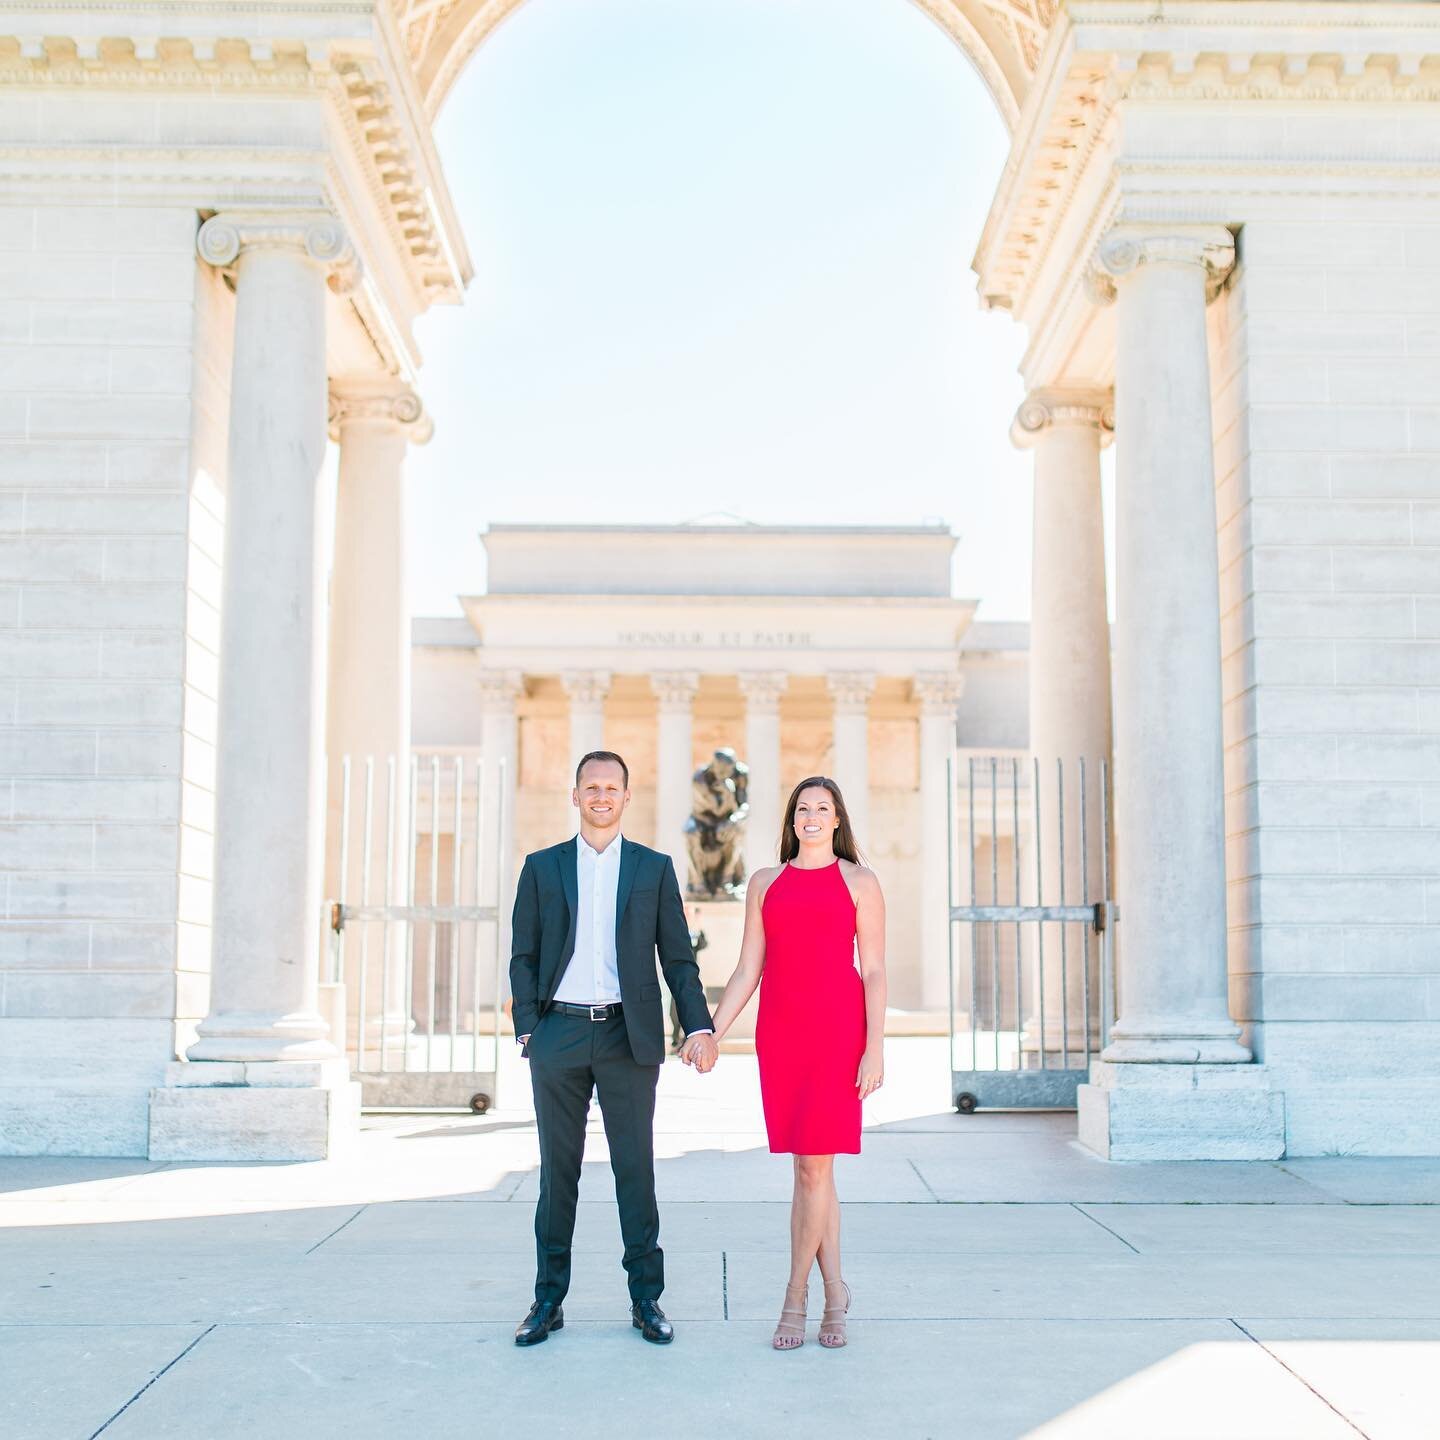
716,828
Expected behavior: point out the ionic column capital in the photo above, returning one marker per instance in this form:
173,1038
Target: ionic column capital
851,690
316,235
385,404
675,689
762,690
938,691
500,689
586,687
1050,407
1124,249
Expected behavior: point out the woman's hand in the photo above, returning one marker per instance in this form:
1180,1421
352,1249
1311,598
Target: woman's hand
872,1072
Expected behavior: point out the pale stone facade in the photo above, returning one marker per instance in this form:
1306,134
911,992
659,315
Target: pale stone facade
1222,214
809,650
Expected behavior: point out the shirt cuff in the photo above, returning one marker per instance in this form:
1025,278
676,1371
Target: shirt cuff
689,1033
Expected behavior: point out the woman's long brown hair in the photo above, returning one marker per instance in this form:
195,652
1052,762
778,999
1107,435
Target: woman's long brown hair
842,838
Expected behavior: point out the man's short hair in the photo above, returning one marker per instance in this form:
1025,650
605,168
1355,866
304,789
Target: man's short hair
608,755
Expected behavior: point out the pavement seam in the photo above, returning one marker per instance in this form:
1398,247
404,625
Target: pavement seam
164,1370
1080,1210
337,1230
928,1190
1296,1374
725,1284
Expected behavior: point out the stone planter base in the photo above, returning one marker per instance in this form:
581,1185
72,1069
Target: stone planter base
259,1110
1181,1112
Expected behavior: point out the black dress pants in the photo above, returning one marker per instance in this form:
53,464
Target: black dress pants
570,1057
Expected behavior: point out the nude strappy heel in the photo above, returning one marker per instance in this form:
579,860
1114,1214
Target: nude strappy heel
832,1322
790,1334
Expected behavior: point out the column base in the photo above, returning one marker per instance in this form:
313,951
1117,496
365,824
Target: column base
1181,1112
254,1110
1158,1042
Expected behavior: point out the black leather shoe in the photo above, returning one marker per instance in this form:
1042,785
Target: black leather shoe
649,1319
544,1316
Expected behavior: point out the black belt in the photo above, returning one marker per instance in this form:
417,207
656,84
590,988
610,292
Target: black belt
587,1012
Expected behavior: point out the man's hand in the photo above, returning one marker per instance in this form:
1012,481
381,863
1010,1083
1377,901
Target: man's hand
701,1051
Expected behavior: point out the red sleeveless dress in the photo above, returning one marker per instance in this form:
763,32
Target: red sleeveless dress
810,1033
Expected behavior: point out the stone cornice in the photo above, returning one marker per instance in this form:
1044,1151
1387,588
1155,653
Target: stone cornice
1049,407
320,237
396,405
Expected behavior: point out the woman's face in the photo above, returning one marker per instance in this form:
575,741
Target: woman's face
815,816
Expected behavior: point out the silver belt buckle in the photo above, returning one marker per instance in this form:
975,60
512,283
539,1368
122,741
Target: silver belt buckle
597,1012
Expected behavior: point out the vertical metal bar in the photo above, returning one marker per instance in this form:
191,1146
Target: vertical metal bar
950,893
361,1005
974,953
1107,949
1039,900
1015,867
412,861
387,930
434,900
1088,932
475,939
994,900
499,874
342,893
455,924
1064,966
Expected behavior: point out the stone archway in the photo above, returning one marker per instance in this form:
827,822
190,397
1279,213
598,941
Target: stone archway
1003,41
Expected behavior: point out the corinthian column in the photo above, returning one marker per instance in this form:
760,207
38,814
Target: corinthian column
938,693
1069,690
269,824
762,690
587,690
369,699
851,691
499,756
674,764
1169,790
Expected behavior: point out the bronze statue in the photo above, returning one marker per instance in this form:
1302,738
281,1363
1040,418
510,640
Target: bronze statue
716,827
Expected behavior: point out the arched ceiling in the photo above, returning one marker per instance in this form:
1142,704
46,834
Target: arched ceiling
1002,38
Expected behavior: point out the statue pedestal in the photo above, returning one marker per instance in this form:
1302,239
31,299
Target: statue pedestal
723,922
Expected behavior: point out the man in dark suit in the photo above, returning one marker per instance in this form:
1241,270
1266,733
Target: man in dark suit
590,916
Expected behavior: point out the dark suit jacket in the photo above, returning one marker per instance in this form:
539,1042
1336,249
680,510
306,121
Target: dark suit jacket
649,917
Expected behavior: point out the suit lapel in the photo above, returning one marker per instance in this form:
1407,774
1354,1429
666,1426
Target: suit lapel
629,863
567,857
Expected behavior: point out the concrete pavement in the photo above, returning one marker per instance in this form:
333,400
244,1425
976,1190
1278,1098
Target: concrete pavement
1006,1284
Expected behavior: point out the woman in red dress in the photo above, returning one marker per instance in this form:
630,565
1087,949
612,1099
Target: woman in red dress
820,1033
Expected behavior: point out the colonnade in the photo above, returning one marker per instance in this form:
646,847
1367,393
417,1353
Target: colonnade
269,827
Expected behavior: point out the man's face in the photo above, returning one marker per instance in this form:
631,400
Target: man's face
724,766
601,796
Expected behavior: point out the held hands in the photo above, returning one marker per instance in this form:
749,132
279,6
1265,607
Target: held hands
701,1051
872,1073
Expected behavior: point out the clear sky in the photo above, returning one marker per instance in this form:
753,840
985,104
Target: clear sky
722,254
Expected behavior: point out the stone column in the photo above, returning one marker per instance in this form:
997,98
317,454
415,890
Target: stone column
938,693
762,690
1169,823
587,690
1069,692
267,1081
499,761
851,690
369,698
674,764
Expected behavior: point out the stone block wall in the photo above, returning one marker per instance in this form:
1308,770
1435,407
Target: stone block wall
1326,355
110,559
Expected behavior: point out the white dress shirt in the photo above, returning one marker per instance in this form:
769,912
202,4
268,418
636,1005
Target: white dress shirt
593,974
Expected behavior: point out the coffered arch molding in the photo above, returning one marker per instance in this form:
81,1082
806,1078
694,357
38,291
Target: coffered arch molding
1002,40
